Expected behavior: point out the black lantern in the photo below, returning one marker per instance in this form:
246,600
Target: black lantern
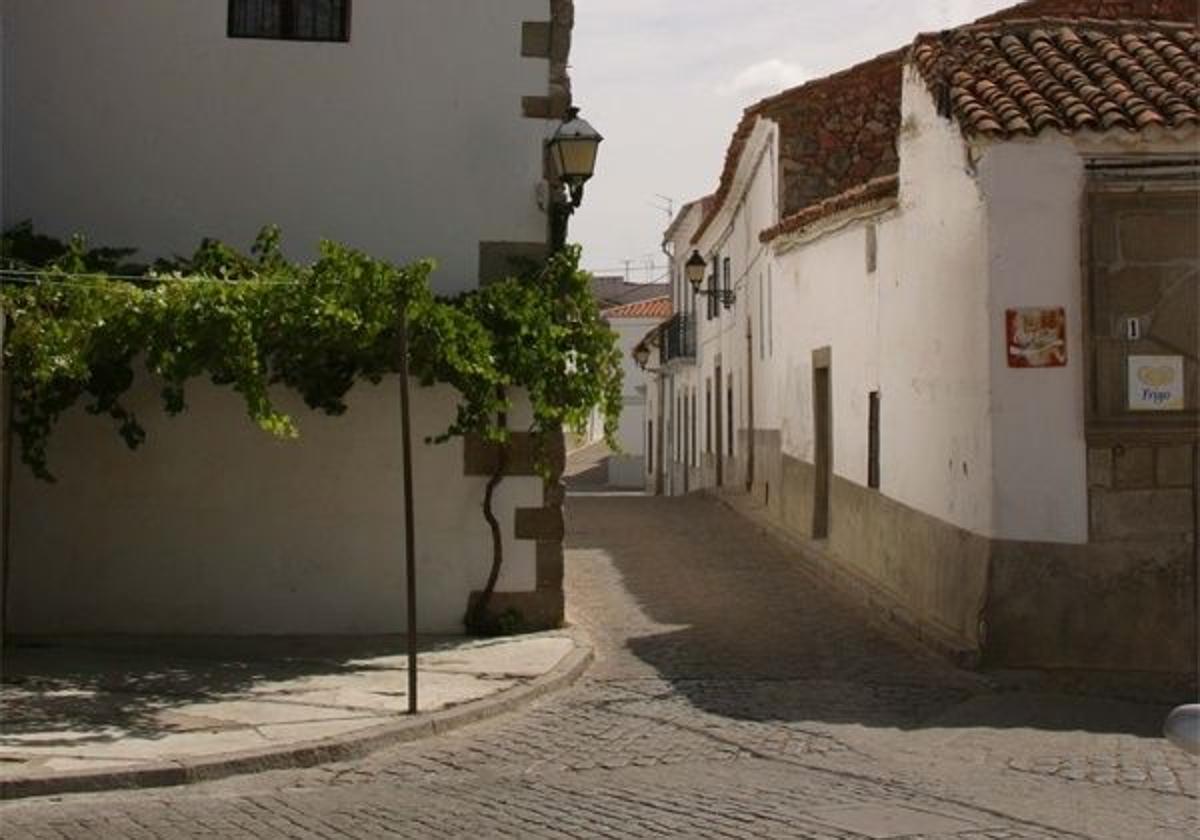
694,270
641,355
573,150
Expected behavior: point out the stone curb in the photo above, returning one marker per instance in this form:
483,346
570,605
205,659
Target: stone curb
307,753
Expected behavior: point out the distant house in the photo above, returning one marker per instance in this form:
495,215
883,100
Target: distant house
636,433
961,355
407,130
617,291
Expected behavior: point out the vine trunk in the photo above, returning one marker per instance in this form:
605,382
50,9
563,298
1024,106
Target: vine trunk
480,611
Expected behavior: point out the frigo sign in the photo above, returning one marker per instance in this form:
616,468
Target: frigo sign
1156,383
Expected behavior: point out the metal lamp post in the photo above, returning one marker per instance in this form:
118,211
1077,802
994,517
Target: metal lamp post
694,269
573,150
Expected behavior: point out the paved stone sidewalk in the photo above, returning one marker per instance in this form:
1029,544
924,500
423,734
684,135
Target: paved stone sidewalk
105,708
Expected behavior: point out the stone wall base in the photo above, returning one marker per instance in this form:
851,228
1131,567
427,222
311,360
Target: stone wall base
1125,605
540,610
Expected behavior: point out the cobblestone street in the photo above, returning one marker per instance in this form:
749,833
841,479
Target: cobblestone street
732,696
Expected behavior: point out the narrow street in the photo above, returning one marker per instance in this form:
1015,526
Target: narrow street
732,696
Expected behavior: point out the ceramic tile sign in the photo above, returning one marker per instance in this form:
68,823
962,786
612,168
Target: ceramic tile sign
1037,337
1156,383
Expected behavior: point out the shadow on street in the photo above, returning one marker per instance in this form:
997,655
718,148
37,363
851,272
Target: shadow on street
750,634
106,689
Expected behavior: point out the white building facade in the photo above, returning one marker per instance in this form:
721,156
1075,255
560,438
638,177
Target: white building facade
880,232
407,130
637,433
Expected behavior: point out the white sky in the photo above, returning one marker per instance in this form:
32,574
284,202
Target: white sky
665,82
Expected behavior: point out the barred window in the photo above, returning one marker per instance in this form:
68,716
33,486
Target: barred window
290,20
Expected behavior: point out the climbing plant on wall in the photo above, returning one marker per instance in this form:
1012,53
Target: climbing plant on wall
81,321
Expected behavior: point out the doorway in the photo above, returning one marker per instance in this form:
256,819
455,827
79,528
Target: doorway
822,440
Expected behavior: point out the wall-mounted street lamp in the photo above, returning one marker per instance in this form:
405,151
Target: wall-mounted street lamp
573,150
641,355
694,269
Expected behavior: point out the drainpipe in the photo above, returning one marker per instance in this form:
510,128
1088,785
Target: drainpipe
749,404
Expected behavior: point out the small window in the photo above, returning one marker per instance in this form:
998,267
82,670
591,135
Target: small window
872,249
290,20
731,431
708,417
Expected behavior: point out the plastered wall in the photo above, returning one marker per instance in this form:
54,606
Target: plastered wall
139,123
213,527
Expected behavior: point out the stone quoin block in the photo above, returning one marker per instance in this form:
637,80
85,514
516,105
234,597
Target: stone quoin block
549,565
535,39
1134,467
1151,235
1141,513
537,107
1100,468
542,524
481,457
1175,467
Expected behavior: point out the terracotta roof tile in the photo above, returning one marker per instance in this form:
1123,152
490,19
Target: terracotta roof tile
1176,10
1025,77
839,132
878,190
654,308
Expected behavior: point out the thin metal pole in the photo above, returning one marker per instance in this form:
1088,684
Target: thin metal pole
410,558
6,477
749,404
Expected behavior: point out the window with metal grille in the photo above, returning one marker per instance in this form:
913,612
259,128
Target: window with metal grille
290,20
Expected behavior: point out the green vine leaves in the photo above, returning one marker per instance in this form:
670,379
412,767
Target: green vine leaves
76,334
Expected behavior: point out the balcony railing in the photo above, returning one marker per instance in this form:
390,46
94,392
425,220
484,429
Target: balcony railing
677,339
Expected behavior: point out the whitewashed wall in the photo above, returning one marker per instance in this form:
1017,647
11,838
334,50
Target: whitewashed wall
1034,193
213,527
936,448
827,298
751,207
165,131
627,468
629,332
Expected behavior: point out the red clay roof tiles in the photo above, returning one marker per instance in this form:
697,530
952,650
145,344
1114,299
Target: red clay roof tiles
1187,11
1023,78
863,102
654,308
878,190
